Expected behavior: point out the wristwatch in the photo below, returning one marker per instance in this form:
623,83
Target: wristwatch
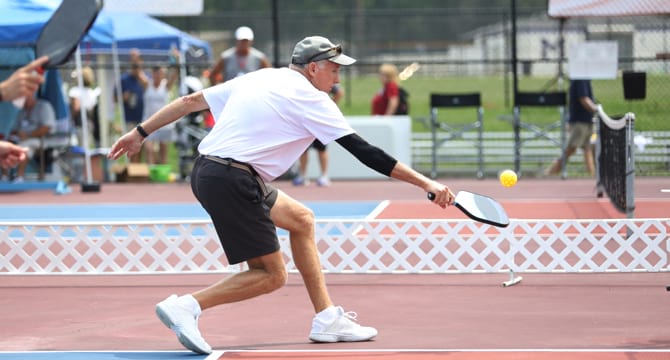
141,130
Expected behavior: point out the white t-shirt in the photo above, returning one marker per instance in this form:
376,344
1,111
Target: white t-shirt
268,118
155,98
88,98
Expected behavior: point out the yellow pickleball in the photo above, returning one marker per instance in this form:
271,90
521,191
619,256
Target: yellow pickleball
508,178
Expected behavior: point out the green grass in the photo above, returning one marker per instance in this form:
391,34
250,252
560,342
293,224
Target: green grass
651,113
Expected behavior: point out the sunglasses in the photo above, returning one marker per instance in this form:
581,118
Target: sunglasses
326,54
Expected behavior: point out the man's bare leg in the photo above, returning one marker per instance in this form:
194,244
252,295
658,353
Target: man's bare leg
323,162
266,274
330,323
555,167
289,214
589,160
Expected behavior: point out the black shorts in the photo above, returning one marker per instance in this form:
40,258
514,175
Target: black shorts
239,209
318,145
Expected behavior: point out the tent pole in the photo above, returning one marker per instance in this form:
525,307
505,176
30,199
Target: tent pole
119,91
87,184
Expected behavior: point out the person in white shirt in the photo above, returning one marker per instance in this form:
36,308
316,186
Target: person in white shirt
264,121
86,97
156,96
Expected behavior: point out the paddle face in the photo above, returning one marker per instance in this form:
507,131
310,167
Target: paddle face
480,208
65,29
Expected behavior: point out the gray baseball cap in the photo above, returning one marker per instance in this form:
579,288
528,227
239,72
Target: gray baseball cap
316,48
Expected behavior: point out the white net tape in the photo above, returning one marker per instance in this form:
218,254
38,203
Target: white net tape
613,124
346,246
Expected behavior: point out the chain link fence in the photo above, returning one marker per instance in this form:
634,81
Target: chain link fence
464,43
470,50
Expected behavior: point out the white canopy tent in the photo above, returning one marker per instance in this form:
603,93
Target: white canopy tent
592,8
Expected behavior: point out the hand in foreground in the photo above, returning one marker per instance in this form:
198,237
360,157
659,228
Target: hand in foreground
24,81
11,155
440,194
130,143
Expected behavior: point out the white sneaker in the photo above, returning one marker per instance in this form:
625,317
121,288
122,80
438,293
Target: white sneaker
323,181
343,328
184,324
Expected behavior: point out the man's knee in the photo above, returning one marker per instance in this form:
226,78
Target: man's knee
305,215
278,279
302,219
291,215
274,267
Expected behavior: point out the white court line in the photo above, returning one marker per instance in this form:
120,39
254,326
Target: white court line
378,210
373,215
215,355
505,350
665,190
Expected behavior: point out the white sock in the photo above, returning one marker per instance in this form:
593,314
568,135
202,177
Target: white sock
189,302
328,315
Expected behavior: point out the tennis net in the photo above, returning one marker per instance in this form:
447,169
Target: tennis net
615,160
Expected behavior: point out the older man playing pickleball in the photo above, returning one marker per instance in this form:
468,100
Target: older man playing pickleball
264,121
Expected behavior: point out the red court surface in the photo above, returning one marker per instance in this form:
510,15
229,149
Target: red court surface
546,317
449,355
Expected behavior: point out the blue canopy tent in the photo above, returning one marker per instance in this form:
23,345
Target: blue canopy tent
22,20
111,34
151,36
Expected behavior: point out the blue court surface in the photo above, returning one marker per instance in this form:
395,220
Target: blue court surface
100,355
158,212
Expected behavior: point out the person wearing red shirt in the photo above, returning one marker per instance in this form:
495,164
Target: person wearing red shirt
386,101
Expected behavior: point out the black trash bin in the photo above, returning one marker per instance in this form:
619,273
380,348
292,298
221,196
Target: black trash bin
634,85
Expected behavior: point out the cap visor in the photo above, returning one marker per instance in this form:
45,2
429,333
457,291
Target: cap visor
342,59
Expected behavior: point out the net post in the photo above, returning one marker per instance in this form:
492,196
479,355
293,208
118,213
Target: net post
433,129
600,190
480,141
512,254
513,280
517,140
630,169
630,165
564,160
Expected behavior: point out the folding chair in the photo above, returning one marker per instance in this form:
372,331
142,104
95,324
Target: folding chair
455,101
539,99
52,148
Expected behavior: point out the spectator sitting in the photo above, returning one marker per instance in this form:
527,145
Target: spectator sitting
35,120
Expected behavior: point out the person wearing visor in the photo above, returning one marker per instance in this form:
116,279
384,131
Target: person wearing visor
265,121
239,60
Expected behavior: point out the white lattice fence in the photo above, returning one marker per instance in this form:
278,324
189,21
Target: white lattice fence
347,246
